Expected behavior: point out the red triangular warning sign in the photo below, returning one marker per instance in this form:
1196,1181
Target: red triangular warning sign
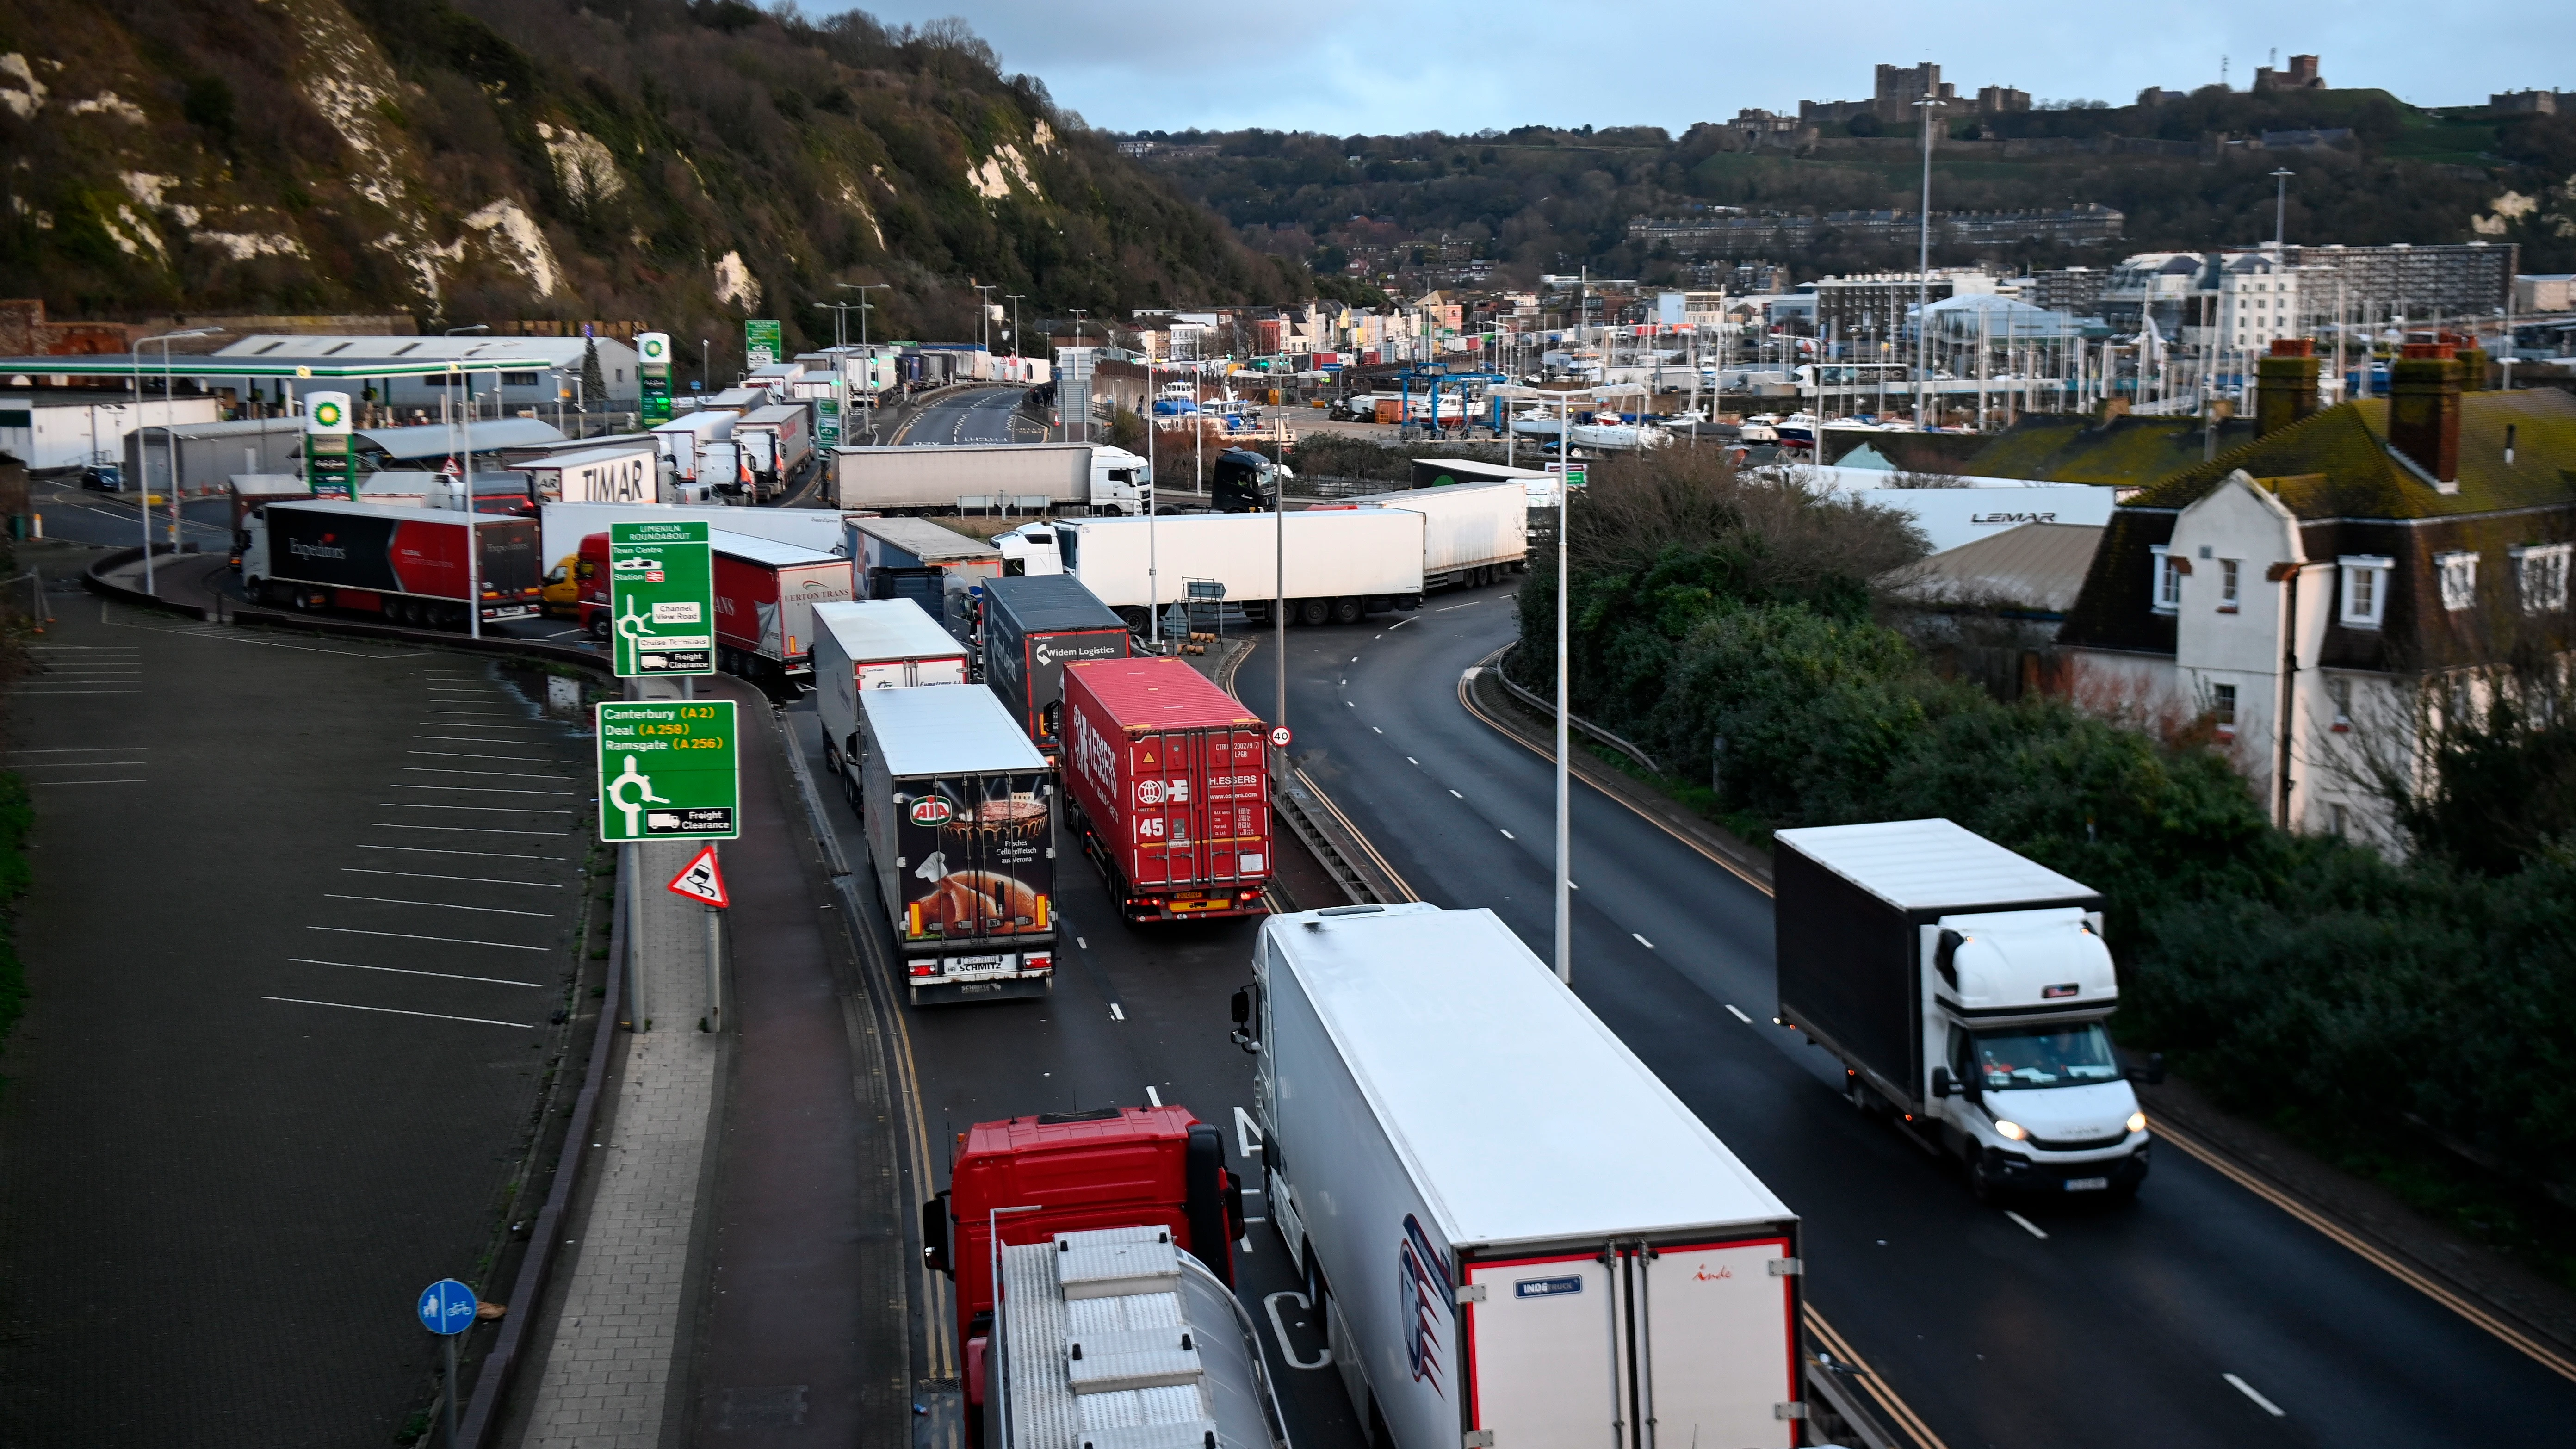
702,881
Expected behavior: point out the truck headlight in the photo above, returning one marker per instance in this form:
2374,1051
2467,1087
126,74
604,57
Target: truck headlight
2137,1121
2012,1130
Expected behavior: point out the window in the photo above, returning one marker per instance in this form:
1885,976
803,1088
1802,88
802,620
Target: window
2168,578
2227,586
2541,571
2339,690
2222,707
2336,823
2365,590
2459,574
522,379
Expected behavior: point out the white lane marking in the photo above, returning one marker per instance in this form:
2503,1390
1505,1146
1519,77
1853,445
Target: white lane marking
433,1015
475,789
1471,603
1412,761
1246,1132
84,750
434,850
440,905
1642,941
442,940
1398,624
49,783
470,740
1507,835
1279,1327
1373,729
1085,945
1456,795
1738,1013
540,885
477,809
1152,1096
459,830
1355,659
1573,886
399,971
466,755
486,774
86,765
1116,1012
2242,1387
51,693
2032,1228
1346,704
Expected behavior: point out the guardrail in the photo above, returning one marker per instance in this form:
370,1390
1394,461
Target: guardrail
1548,708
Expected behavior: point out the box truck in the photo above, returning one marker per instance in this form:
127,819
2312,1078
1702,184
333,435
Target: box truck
1964,989
1520,1236
765,593
405,564
1094,1265
864,644
1472,533
1032,628
959,811
776,442
1167,783
1042,477
1342,563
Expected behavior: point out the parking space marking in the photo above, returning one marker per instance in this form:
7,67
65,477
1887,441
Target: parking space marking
434,850
390,1011
439,906
541,885
478,789
487,774
442,940
399,971
46,783
468,755
461,829
480,809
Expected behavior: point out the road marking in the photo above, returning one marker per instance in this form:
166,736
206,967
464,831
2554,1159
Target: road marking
1471,603
1457,795
1738,1013
456,829
1085,945
433,1015
1572,885
469,740
1346,704
1279,1328
42,783
1412,761
1355,659
539,885
2266,1405
434,850
1507,835
87,765
442,940
399,971
1153,1096
1246,1133
50,693
487,774
85,750
478,809
2036,1232
1373,729
1642,941
1398,624
477,789
440,905
1907,1421
463,755
1115,1013
433,724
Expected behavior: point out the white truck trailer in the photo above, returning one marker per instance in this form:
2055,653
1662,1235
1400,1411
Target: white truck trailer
864,644
1472,533
1520,1236
1343,563
683,438
1964,989
620,473
776,441
1027,477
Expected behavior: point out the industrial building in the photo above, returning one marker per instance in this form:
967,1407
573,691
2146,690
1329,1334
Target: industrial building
512,372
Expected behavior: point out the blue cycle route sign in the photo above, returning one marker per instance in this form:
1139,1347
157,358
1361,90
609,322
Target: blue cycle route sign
447,1306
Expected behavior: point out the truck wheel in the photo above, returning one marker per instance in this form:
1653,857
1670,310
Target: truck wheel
1347,611
1312,611
1982,1184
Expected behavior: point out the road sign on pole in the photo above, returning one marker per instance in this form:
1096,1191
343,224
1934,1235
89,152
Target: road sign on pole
447,1306
1280,737
669,769
661,598
702,880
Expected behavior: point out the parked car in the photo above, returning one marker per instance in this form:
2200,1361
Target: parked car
103,478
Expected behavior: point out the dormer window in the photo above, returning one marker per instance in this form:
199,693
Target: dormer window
2459,573
2365,589
2540,571
2168,571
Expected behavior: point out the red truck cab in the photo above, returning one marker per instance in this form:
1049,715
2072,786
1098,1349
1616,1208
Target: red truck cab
1115,1167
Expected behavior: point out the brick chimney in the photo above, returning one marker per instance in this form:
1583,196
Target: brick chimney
2285,385
2424,408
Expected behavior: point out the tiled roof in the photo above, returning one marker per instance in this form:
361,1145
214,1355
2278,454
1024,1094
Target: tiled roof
2037,566
2337,464
2127,452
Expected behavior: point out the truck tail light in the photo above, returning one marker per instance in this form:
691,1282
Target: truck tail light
925,968
1039,961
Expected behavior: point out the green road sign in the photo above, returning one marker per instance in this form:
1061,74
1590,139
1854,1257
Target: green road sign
668,770
661,598
827,422
760,342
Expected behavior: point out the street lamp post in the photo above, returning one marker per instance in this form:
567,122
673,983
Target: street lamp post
2281,206
863,288
1076,313
1923,262
142,466
984,310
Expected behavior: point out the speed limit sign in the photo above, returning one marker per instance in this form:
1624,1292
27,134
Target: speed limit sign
1279,737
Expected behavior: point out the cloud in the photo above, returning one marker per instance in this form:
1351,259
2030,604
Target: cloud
1445,65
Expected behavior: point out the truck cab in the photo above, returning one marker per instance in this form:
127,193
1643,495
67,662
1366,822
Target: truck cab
1030,551
1119,480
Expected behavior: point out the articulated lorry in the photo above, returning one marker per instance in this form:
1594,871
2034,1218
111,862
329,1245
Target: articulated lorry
1519,1235
1167,782
407,565
776,442
1032,628
1472,533
1964,989
1093,1254
959,810
953,478
1343,564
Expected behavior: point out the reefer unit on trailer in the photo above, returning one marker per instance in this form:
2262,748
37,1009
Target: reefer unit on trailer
1472,533
1167,778
959,810
1521,1236
1342,563
865,644
1033,627
1964,989
407,564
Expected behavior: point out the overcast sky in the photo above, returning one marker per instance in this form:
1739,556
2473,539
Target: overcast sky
1443,65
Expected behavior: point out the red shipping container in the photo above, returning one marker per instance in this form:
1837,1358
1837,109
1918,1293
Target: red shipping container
1169,780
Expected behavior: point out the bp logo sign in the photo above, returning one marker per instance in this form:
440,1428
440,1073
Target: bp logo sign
653,348
327,414
930,811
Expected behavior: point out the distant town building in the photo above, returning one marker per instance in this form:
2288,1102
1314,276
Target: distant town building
1713,232
2299,75
1874,307
2543,103
2076,291
2187,293
2550,292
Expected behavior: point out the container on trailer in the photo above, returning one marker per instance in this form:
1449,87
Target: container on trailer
1342,563
952,478
959,810
1033,627
1167,779
406,563
865,644
1472,533
1522,1237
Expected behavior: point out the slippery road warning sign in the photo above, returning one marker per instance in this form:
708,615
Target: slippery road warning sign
702,880
667,769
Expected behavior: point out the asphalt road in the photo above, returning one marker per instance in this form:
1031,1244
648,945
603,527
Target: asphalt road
2120,1326
302,912
79,515
969,415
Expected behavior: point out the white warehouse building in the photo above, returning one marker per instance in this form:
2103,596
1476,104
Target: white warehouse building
524,372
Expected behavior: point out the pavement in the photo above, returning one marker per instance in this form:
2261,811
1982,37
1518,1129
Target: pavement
304,916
